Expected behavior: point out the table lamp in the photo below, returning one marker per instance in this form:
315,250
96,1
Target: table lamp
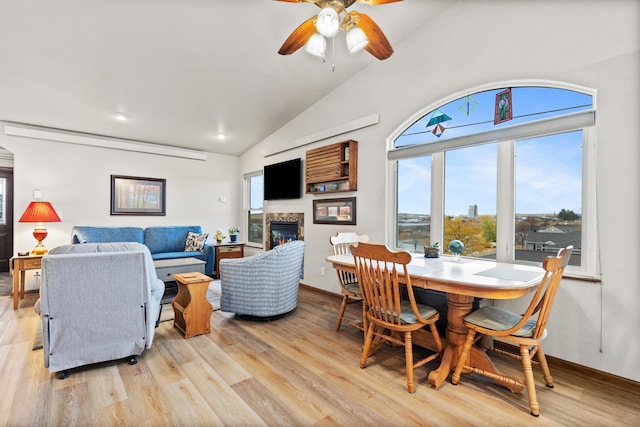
39,212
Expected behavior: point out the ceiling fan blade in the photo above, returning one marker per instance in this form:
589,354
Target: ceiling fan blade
373,2
299,37
303,1
378,45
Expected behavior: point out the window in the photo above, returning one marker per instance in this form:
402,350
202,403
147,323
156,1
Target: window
548,200
254,190
470,190
511,183
413,228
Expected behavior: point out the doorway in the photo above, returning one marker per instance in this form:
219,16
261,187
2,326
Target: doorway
6,217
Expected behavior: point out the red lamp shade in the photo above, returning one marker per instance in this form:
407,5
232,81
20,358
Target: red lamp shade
39,212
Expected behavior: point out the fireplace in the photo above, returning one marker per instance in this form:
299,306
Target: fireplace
282,232
282,228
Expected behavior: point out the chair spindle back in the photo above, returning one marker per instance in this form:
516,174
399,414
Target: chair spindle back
542,301
378,270
342,243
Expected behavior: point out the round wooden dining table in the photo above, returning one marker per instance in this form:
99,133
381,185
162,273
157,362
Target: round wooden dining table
463,280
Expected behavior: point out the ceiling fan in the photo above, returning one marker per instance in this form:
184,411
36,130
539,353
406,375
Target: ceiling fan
362,32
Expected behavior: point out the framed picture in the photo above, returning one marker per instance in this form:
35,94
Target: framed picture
504,107
335,211
131,195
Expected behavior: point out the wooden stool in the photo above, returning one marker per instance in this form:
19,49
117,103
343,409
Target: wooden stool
191,310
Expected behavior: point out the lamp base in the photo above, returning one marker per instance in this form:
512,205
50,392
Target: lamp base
39,251
39,233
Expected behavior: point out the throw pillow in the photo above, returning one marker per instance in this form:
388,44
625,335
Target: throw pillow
195,242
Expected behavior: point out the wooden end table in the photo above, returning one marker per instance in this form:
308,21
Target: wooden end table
191,310
18,265
227,250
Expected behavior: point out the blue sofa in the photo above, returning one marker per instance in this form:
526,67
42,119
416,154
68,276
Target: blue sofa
164,242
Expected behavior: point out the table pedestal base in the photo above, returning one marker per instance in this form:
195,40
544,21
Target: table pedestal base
458,307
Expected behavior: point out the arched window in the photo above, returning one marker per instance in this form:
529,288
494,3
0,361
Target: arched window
504,170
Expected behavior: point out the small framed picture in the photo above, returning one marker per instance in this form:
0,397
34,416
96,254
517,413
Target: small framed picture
503,108
131,195
335,211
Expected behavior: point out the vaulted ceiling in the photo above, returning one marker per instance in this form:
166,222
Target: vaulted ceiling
181,70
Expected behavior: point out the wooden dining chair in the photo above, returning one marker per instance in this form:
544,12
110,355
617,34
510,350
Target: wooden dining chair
341,243
524,331
390,317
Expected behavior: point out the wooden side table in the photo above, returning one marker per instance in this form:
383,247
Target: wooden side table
18,265
227,250
191,310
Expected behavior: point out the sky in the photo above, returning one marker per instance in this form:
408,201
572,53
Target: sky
548,169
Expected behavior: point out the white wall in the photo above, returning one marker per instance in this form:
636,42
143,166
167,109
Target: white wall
6,159
76,179
472,44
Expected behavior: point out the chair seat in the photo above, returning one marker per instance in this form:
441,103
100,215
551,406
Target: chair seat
407,316
354,288
498,319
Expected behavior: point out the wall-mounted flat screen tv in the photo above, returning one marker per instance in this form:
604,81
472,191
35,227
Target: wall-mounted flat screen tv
283,180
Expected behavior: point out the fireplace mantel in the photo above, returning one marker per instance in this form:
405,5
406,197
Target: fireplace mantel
297,218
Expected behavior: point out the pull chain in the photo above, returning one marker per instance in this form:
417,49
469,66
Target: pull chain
333,54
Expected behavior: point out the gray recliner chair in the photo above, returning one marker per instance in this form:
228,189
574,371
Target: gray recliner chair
98,302
264,285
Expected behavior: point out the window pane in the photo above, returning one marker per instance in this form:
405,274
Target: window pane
414,203
255,227
255,214
470,199
476,113
548,196
256,190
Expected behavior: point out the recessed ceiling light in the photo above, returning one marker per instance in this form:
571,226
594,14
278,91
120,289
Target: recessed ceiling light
221,136
122,117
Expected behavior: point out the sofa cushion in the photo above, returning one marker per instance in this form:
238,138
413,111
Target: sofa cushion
84,234
169,238
195,242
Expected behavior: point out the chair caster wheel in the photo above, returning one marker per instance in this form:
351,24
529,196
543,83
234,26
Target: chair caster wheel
63,374
133,360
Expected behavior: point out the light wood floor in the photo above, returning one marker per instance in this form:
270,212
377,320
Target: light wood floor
295,371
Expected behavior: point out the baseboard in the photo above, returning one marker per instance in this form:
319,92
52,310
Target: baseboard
318,290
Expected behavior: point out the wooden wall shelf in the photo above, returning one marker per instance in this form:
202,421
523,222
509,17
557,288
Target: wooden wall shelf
332,168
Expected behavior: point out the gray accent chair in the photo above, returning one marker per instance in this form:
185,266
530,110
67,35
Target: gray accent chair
98,302
264,285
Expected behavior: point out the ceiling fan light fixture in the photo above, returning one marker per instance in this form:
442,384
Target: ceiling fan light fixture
328,23
356,40
316,45
333,18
